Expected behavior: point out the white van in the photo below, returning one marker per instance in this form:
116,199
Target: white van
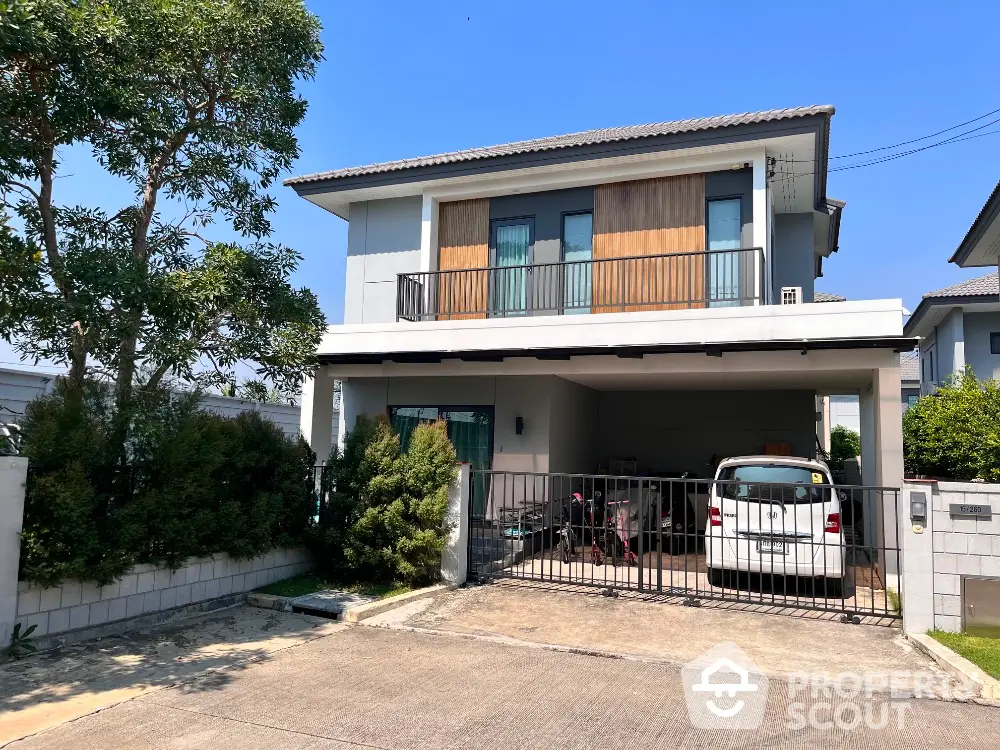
775,515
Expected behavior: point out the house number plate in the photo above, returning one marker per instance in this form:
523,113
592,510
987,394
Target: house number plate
961,509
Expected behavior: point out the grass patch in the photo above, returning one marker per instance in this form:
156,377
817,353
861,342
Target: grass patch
983,652
309,584
895,600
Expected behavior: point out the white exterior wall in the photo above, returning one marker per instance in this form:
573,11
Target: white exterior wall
383,239
977,328
149,589
18,388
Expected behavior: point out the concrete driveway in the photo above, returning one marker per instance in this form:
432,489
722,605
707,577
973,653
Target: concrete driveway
378,688
654,628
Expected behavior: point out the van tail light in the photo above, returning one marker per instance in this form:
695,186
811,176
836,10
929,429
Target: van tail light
715,517
833,523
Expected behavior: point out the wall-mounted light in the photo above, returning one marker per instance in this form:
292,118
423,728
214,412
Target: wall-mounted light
918,507
519,425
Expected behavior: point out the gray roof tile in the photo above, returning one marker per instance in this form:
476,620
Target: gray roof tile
586,138
984,286
828,297
909,366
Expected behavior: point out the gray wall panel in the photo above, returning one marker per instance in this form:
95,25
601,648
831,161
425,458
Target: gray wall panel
793,257
978,327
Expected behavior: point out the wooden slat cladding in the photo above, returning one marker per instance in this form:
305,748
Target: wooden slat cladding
661,216
464,242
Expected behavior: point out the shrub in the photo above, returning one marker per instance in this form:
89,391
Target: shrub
385,516
164,482
955,433
844,444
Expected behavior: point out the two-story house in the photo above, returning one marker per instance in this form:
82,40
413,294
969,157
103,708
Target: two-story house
638,296
960,324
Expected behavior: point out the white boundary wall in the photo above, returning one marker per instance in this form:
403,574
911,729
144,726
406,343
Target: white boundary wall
949,548
147,589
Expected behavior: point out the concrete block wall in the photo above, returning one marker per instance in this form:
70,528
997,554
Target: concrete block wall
963,545
147,589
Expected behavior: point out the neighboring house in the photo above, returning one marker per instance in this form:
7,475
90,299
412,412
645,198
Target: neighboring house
637,294
960,324
19,387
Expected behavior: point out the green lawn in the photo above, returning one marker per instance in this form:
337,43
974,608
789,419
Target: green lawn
983,652
307,584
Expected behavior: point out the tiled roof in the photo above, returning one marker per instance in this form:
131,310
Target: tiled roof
983,286
828,297
909,366
586,138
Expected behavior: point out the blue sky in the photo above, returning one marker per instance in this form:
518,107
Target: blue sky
407,79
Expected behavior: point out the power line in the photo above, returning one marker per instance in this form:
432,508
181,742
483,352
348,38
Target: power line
921,138
966,136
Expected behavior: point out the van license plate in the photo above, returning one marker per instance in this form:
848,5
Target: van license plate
771,548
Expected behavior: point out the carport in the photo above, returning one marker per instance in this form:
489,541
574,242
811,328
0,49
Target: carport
548,422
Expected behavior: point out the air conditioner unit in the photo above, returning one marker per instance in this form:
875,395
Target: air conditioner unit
791,295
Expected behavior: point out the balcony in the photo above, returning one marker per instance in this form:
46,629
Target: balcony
678,281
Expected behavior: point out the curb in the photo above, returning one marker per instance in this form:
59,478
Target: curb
984,686
269,601
363,612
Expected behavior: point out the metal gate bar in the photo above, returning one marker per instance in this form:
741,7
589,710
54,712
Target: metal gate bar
820,547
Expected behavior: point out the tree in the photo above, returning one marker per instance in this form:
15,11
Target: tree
844,444
955,433
193,103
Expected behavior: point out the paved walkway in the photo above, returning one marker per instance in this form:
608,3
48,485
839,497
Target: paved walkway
367,687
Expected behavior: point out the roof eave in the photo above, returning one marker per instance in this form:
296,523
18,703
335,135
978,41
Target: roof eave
989,213
913,322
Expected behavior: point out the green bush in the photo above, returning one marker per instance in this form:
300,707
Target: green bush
385,515
844,444
162,483
955,433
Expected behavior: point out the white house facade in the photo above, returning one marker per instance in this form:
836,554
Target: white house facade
638,296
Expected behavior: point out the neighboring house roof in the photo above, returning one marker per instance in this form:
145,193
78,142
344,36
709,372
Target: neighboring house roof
981,286
909,367
935,305
585,138
981,244
828,297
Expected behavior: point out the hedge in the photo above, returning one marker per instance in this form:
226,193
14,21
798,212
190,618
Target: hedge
164,482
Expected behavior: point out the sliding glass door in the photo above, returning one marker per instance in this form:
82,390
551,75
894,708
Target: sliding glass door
469,429
724,273
511,245
578,252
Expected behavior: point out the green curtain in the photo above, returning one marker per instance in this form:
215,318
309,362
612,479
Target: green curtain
470,431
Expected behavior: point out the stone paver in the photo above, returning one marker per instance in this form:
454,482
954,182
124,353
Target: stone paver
380,688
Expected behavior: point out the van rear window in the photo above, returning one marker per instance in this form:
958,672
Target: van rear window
773,483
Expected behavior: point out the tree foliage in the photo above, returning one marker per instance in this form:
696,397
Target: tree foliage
191,483
844,444
385,515
193,104
955,433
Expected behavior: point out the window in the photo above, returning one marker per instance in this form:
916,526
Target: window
724,229
469,429
512,241
577,252
911,399
995,343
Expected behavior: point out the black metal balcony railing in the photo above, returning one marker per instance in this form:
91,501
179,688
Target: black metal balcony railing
716,278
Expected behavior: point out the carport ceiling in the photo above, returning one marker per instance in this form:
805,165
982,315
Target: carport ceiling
839,383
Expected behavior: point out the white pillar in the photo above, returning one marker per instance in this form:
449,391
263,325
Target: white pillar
13,471
957,319
760,224
455,556
888,413
918,562
316,417
429,234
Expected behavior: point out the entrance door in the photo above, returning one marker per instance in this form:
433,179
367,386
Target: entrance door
724,227
511,246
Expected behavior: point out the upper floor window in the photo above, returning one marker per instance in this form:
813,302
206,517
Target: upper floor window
724,228
577,251
995,343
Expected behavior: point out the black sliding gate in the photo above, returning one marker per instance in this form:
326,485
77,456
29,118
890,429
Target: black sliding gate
819,547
